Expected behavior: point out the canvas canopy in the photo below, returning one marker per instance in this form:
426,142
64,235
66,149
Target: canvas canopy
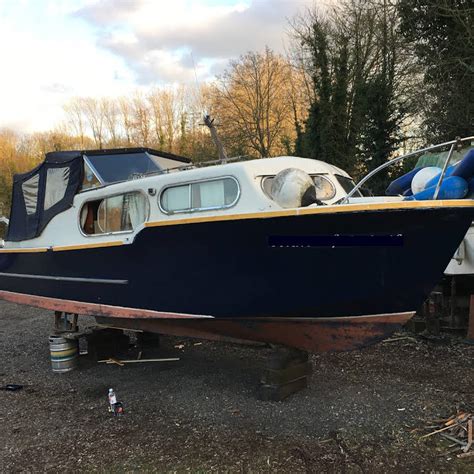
49,189
44,192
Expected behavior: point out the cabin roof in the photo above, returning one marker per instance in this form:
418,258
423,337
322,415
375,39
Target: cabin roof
63,156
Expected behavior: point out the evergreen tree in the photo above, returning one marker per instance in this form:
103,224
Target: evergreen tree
441,33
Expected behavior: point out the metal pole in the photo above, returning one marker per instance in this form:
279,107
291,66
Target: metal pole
443,172
396,160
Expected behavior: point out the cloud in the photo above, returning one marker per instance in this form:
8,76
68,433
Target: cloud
41,74
144,33
54,50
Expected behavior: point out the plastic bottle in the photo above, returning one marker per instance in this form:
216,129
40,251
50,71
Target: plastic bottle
112,400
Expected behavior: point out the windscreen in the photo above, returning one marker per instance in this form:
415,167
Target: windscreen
123,166
348,185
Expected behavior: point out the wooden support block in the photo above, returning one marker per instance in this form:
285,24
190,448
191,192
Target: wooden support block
282,376
277,393
470,327
106,343
285,358
416,325
148,339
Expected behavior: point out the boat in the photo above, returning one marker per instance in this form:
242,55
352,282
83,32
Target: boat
282,250
451,298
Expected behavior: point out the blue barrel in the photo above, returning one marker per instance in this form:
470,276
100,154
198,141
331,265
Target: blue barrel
402,184
452,187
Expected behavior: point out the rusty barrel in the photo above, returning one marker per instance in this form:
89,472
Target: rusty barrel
64,354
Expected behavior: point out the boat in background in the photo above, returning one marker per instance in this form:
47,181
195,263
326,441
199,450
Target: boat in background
282,250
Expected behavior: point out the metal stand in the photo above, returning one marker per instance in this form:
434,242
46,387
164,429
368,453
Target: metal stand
65,322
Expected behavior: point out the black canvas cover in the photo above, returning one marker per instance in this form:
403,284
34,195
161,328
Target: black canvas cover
44,192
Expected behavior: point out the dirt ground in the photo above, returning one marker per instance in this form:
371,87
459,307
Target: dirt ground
201,413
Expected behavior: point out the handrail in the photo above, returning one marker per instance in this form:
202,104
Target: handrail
408,155
445,167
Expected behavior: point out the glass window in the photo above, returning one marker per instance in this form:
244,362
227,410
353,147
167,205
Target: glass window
56,184
119,213
122,166
212,194
90,179
30,194
176,198
325,190
347,184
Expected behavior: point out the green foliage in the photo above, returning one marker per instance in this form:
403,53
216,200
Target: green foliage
441,33
355,117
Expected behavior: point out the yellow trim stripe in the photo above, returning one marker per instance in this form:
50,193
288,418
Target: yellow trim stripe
63,247
336,209
87,246
318,210
24,250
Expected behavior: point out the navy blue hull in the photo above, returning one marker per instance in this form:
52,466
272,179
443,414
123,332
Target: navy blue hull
318,265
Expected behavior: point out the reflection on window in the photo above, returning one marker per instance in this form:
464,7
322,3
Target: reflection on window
30,194
347,184
212,194
176,198
90,179
119,213
123,166
325,190
56,184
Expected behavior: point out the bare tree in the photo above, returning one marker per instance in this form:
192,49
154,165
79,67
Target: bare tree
125,108
110,111
76,119
252,103
141,122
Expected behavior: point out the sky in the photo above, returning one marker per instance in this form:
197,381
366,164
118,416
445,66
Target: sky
52,50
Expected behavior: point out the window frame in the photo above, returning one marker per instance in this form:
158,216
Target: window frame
311,175
119,232
198,209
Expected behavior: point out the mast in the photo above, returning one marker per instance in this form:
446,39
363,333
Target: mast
209,122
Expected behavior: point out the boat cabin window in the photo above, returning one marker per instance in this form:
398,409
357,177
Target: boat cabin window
56,185
325,190
90,179
123,166
200,196
348,185
30,194
120,213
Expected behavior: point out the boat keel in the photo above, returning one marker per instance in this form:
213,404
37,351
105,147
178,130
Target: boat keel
313,335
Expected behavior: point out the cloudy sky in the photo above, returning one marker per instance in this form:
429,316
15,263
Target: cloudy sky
52,50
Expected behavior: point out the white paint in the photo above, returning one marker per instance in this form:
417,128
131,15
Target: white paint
64,229
422,177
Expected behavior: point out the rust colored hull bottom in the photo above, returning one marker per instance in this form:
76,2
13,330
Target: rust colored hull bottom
313,335
90,309
310,334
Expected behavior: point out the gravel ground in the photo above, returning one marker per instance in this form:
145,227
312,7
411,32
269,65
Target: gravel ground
201,414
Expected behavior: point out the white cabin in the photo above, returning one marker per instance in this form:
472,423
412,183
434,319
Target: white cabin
104,211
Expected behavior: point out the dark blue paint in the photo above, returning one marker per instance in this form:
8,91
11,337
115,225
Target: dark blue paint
227,268
335,240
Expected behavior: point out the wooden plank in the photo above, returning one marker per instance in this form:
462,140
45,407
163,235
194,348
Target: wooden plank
277,393
282,376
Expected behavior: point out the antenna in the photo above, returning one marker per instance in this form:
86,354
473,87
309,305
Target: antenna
197,85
